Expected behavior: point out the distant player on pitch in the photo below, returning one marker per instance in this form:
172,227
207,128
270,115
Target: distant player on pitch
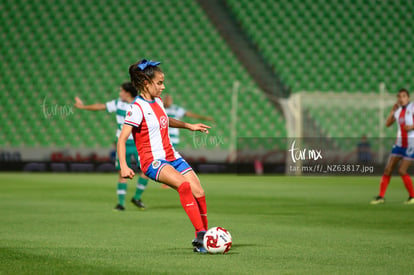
178,112
403,149
119,106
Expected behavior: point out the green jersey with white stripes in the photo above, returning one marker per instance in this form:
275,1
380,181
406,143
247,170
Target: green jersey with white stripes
176,112
120,108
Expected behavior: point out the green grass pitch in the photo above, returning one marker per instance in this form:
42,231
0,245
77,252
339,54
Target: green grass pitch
64,224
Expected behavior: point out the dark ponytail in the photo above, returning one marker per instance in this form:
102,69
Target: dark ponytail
129,88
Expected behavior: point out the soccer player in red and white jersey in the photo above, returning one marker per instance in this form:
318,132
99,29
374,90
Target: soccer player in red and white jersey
148,123
403,149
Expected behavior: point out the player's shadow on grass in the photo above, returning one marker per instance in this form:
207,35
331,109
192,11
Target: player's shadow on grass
171,206
235,249
243,245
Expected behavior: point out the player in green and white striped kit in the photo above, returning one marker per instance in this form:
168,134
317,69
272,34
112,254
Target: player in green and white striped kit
119,106
178,112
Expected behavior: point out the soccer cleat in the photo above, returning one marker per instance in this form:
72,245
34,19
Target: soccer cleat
138,203
201,250
119,207
198,243
409,201
378,200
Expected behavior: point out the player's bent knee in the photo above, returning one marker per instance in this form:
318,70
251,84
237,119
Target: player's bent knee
197,190
388,170
200,193
402,172
122,180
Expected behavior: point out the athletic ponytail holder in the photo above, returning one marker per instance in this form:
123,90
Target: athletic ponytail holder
145,63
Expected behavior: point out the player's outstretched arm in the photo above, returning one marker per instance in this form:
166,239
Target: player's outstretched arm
197,116
93,107
126,172
193,127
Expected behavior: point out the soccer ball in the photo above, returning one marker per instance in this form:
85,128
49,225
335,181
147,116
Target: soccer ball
217,240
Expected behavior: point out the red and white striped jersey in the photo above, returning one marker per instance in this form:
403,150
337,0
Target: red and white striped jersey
150,131
404,116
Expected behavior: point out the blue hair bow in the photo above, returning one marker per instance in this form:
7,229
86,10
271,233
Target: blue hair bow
145,63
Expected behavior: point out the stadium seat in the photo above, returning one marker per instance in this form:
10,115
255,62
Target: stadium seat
352,35
342,46
85,49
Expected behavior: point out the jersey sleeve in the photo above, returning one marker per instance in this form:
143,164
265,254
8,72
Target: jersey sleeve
111,106
133,116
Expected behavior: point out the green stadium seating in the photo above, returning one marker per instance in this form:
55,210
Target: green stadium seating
312,43
324,45
54,50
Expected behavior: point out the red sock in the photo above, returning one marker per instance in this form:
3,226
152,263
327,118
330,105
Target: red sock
190,206
202,206
384,184
408,184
